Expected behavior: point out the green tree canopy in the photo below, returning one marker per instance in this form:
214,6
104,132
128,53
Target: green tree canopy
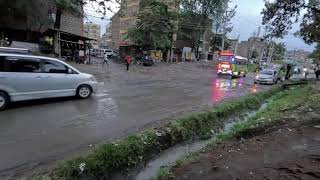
254,54
279,51
279,15
316,54
154,25
33,13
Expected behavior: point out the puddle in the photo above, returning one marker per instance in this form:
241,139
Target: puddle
168,157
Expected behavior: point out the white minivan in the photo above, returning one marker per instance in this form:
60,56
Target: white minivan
27,77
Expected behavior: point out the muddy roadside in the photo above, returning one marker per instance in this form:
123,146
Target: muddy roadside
289,148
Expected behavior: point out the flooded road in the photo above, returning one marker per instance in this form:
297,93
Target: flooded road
40,132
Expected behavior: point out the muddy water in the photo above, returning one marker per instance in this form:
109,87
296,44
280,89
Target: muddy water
169,156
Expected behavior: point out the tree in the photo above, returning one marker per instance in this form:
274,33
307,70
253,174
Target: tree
216,41
208,10
254,54
279,15
316,54
224,26
154,25
279,51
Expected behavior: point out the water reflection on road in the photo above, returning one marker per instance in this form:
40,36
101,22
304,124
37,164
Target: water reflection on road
223,88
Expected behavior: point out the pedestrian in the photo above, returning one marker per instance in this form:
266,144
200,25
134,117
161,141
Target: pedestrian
76,56
288,71
105,59
317,71
128,61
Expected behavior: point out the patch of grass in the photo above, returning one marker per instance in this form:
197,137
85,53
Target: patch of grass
163,173
130,151
253,67
187,159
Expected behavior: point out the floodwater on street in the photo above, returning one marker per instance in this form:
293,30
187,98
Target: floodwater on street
39,132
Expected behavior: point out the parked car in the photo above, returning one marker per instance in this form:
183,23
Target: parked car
27,77
15,50
147,61
267,76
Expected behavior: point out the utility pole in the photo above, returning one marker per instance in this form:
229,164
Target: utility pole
265,44
224,30
236,46
259,29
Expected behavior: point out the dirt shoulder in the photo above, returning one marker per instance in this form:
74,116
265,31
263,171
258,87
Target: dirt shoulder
288,150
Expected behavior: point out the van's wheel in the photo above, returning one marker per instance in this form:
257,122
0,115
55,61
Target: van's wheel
4,100
84,91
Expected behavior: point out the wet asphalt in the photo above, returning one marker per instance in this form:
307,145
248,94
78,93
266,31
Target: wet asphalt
36,133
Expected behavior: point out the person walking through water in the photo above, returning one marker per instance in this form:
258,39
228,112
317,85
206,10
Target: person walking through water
128,61
105,60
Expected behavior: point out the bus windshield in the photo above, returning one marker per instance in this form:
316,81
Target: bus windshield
230,59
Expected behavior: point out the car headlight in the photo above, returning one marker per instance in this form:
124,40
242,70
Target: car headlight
92,78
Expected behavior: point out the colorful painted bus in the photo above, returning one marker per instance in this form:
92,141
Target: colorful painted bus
232,65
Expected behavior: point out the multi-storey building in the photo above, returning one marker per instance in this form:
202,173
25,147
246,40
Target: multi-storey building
126,18
92,31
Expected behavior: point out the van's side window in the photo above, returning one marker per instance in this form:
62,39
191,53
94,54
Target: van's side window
2,63
53,67
18,64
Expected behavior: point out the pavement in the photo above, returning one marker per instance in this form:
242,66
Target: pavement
35,134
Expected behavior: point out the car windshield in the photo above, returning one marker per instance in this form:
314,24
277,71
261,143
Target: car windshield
266,72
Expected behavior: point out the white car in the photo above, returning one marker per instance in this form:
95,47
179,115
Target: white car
267,76
27,77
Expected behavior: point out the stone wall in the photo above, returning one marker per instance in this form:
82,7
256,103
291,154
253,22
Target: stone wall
72,23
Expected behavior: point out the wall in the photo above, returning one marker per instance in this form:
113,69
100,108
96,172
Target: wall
72,23
115,32
244,47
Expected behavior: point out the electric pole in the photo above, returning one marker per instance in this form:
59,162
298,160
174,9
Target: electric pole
236,46
224,30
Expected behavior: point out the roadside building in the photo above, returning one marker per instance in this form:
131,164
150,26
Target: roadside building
51,36
115,32
297,54
107,38
127,17
253,44
103,42
92,31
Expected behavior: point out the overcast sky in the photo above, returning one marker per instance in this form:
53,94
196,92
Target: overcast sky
247,20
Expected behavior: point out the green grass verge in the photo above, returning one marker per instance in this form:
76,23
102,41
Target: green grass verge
187,159
278,107
163,173
124,154
253,67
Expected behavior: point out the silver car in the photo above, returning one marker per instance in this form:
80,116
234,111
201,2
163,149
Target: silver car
27,77
267,76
